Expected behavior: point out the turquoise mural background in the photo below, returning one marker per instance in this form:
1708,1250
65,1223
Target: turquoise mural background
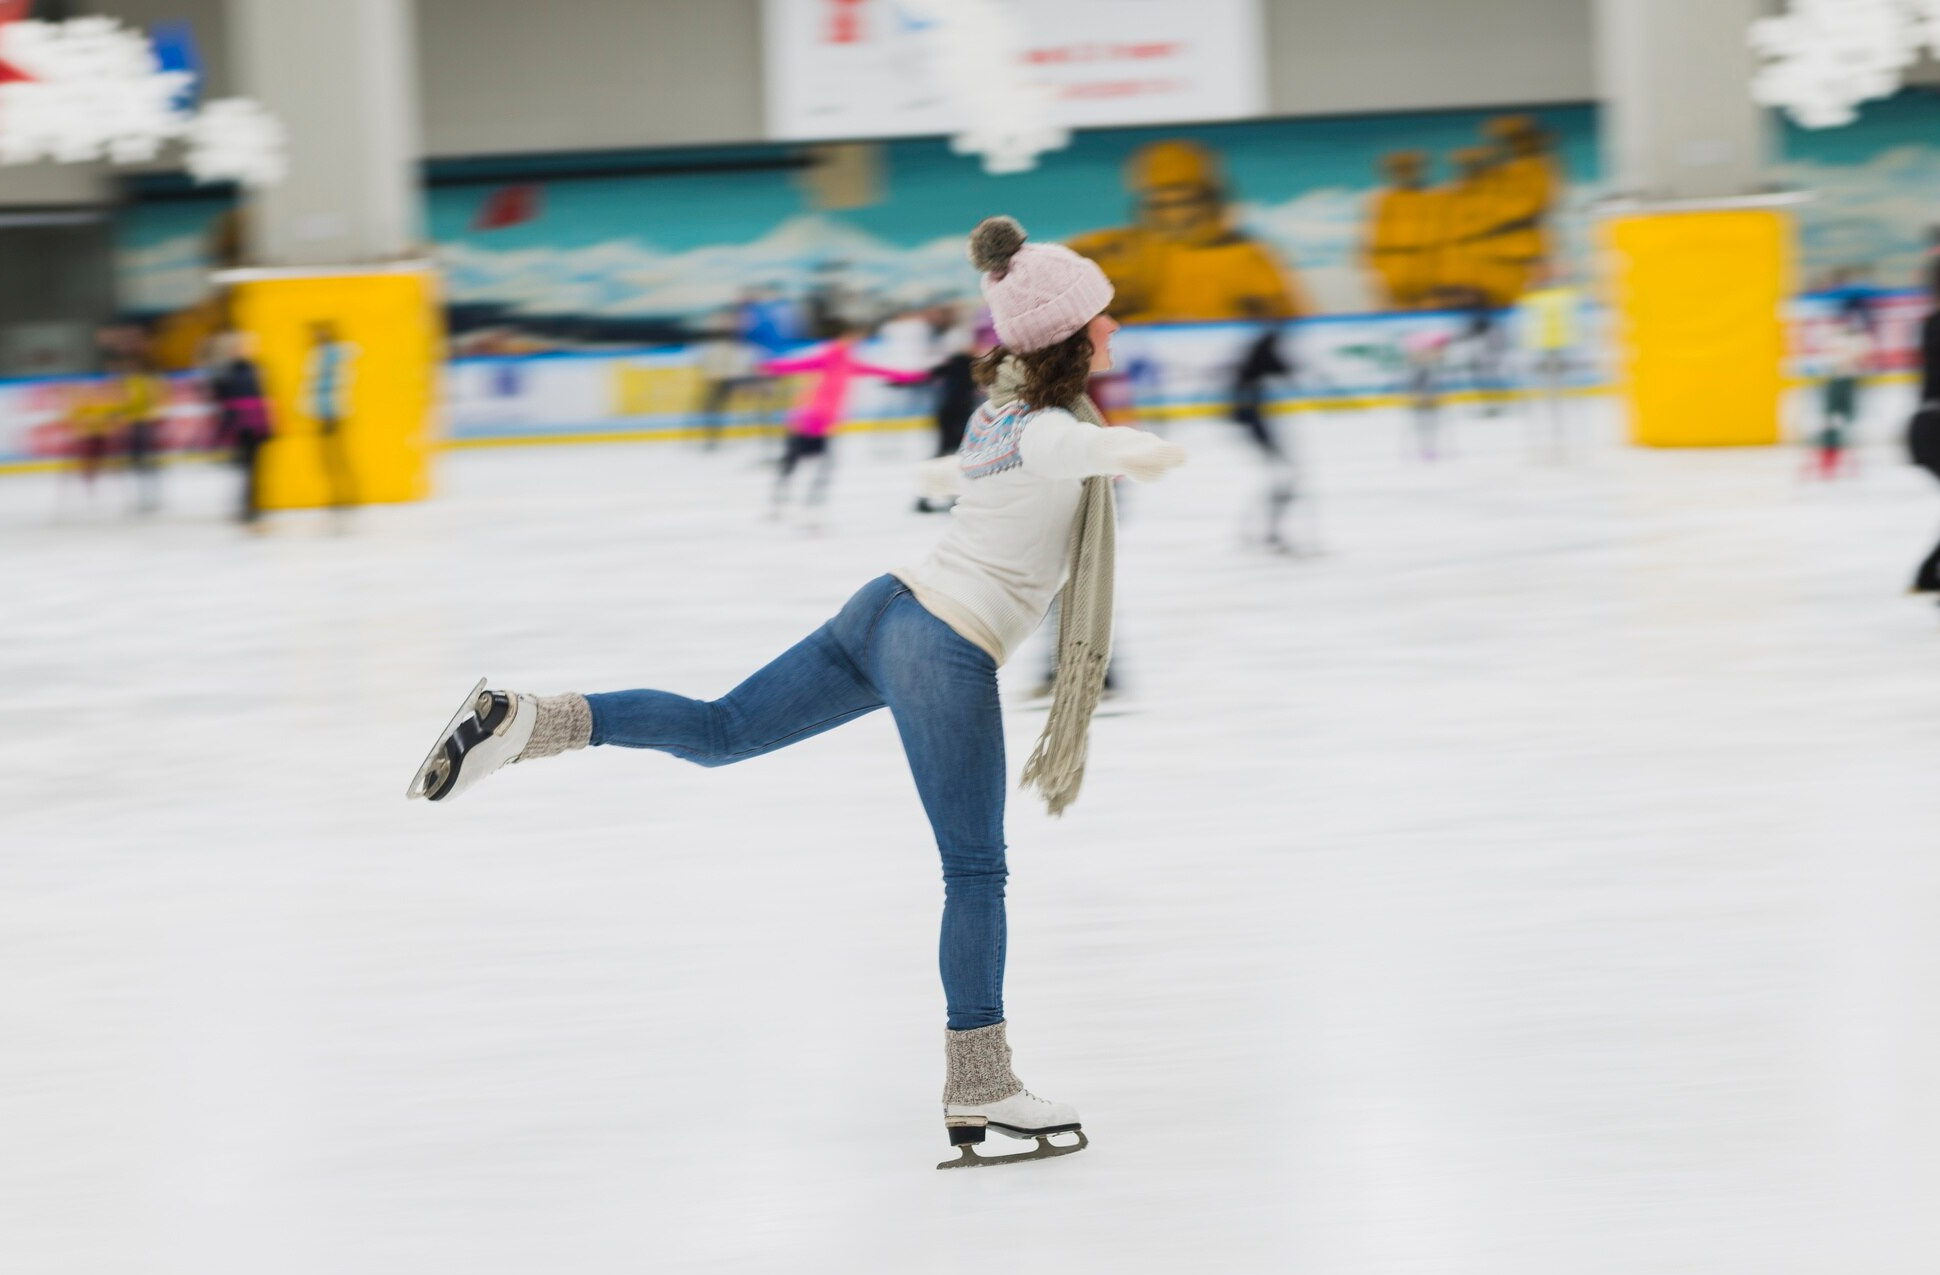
672,246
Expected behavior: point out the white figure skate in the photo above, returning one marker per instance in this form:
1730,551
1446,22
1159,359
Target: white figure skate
489,730
1022,1115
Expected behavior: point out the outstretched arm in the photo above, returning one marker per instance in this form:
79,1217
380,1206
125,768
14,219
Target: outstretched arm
1058,445
814,362
899,375
941,478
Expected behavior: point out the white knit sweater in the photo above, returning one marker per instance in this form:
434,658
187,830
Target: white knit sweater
994,573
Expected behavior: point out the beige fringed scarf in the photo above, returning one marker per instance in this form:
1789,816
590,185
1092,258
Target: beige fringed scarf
1057,764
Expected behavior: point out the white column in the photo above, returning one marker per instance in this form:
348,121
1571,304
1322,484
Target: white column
1673,80
342,76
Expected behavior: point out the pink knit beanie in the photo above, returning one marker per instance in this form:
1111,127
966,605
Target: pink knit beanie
1039,294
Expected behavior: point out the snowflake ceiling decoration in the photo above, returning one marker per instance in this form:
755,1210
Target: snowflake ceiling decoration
1825,57
85,90
92,89
973,48
236,140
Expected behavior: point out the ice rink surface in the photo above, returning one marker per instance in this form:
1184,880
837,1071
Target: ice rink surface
1541,877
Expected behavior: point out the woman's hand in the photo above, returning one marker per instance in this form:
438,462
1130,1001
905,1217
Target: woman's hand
1137,454
940,479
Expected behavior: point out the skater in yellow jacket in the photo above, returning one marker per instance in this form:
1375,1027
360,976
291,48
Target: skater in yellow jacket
1182,260
1522,188
1405,230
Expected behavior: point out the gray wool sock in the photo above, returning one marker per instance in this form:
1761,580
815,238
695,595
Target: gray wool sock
565,722
979,1067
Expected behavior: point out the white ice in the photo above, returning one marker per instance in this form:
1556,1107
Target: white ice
1540,878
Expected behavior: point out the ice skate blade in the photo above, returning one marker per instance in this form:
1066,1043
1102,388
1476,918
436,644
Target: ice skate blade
967,1157
420,784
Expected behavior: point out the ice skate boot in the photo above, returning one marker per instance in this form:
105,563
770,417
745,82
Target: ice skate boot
1023,1115
982,1094
495,728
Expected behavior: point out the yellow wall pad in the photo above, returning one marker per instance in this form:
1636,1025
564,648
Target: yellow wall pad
1698,297
389,317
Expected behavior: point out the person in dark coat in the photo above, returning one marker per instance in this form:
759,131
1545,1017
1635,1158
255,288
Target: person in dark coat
1923,437
242,414
1263,362
957,396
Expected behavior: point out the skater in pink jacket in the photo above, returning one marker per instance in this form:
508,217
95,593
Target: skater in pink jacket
814,417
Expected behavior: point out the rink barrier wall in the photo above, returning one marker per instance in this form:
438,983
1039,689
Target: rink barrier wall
1284,406
1173,372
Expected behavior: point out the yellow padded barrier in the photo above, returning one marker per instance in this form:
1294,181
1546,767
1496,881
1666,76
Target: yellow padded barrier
391,317
1698,298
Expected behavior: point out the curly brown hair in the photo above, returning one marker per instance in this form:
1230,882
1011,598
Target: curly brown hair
1054,376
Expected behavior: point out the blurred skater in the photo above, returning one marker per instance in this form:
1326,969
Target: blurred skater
242,415
1484,339
1848,354
91,420
835,368
1854,297
1548,321
726,363
327,392
957,396
1263,362
1424,352
139,398
770,324
1923,437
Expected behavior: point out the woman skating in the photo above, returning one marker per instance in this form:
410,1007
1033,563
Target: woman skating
1035,514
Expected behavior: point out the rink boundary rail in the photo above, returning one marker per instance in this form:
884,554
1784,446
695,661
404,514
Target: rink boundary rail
1164,413
1173,372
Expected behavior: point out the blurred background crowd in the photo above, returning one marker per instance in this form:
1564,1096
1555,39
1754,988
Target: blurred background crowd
1393,221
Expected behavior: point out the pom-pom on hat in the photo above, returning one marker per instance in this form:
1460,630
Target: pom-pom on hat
1039,294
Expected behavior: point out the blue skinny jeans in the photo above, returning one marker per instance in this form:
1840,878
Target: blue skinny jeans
883,649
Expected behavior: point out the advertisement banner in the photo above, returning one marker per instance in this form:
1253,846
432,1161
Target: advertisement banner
873,68
42,420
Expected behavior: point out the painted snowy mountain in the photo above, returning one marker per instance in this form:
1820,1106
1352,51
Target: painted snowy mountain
627,277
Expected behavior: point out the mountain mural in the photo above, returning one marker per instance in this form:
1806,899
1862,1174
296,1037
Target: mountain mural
669,248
